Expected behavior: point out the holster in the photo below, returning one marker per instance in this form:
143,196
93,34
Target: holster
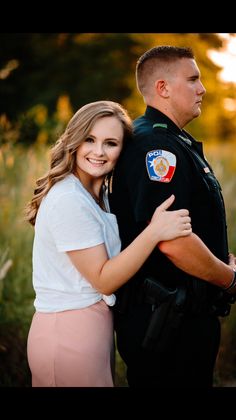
221,304
167,314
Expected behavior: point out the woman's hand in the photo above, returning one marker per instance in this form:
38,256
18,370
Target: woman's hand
170,224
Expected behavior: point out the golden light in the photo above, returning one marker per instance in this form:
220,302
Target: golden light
226,58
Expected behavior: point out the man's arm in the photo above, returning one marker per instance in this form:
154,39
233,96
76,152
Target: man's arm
191,255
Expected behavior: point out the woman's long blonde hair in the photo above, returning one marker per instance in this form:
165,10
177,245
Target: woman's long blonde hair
63,156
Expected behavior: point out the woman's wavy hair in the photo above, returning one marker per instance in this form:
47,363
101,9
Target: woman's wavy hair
63,153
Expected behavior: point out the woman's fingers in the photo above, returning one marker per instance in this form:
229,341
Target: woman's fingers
186,232
166,204
186,219
182,212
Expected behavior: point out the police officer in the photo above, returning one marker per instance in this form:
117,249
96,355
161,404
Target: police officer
190,273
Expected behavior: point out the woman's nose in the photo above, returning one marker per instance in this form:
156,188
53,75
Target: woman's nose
99,149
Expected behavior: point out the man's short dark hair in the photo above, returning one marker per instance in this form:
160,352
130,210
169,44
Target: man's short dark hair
166,53
157,55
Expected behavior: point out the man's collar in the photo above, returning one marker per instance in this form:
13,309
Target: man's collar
158,117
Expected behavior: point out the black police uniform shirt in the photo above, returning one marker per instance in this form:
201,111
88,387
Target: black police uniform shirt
158,161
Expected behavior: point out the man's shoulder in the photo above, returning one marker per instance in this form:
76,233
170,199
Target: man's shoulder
145,134
148,134
142,126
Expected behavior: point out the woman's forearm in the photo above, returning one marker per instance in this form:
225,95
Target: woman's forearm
107,275
121,268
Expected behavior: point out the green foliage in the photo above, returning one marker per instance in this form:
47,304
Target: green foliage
86,67
19,169
39,68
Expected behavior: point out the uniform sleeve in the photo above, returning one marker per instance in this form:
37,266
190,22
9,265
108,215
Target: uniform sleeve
74,224
147,191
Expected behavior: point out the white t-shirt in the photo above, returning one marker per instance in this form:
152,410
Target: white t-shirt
69,219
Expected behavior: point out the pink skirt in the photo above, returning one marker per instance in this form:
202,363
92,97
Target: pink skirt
72,348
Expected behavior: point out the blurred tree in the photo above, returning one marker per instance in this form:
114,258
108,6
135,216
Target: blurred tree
86,67
36,70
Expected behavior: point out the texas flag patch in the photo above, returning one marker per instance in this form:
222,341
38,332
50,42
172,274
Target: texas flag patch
160,165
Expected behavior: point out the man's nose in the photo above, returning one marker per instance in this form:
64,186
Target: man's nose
202,89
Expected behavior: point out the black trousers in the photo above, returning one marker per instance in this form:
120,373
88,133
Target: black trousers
188,362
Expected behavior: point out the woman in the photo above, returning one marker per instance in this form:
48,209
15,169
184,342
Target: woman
77,263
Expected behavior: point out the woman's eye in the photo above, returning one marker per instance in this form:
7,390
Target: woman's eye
111,143
89,140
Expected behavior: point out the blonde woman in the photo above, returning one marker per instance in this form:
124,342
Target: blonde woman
77,263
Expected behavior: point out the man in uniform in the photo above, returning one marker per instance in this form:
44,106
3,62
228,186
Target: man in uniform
166,317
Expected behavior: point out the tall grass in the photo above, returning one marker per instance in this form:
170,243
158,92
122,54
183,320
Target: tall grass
19,168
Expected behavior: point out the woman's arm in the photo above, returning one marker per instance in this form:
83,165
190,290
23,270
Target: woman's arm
107,275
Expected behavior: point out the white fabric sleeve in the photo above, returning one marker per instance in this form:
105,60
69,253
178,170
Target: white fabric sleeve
74,223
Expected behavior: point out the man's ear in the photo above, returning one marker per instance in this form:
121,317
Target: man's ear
161,86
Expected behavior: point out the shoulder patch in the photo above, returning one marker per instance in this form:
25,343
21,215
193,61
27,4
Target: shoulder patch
160,165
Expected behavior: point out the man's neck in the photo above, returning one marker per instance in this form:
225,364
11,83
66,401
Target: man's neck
168,113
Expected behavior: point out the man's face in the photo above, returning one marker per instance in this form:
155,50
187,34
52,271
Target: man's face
185,91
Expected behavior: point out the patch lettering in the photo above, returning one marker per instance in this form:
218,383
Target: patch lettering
160,165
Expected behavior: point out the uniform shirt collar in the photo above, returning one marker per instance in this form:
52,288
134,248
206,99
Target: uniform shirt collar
158,117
